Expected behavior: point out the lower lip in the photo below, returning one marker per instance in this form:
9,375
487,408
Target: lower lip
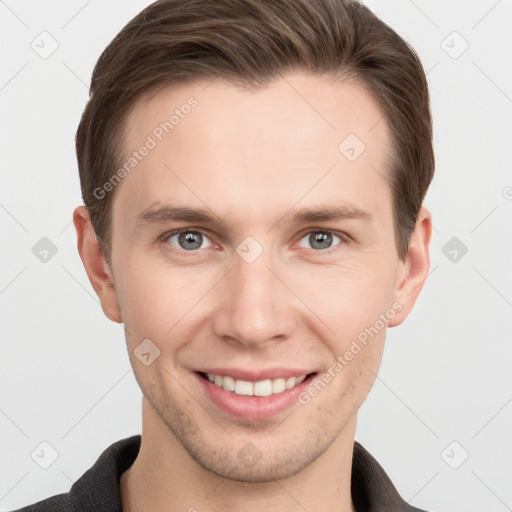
253,408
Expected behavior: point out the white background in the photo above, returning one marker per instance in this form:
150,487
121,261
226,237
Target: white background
446,374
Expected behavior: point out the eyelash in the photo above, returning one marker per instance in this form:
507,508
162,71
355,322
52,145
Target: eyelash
317,252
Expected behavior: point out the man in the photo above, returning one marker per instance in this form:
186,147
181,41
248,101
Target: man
253,174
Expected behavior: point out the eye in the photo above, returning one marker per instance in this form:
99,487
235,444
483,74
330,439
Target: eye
188,240
320,240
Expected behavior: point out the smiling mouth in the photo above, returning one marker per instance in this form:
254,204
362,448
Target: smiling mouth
265,387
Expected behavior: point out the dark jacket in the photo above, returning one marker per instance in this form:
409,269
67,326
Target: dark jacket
98,488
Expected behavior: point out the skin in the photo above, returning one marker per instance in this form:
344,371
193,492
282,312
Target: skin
250,158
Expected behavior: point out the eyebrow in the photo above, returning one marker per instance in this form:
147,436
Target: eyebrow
170,213
324,214
321,213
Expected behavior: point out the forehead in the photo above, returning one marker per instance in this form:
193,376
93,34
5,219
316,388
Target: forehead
301,138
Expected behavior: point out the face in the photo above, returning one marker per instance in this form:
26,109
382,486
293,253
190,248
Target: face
249,244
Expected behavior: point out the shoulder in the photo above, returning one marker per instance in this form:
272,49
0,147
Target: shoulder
372,489
98,487
59,502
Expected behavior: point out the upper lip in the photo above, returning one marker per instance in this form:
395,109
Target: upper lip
257,375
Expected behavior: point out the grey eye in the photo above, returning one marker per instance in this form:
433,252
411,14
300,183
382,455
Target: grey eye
319,240
189,240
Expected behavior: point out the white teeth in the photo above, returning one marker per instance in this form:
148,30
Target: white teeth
228,383
243,387
278,385
261,388
290,382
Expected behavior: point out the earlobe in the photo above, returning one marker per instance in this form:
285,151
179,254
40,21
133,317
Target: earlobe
415,268
95,264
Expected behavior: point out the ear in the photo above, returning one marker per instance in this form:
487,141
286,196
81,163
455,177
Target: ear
413,272
95,265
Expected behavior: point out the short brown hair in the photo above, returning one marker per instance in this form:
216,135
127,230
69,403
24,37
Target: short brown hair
250,43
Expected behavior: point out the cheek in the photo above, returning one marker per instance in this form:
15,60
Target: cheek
347,299
158,301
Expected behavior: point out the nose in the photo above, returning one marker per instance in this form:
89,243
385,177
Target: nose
254,305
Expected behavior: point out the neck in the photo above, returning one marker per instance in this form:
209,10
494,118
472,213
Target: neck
164,477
